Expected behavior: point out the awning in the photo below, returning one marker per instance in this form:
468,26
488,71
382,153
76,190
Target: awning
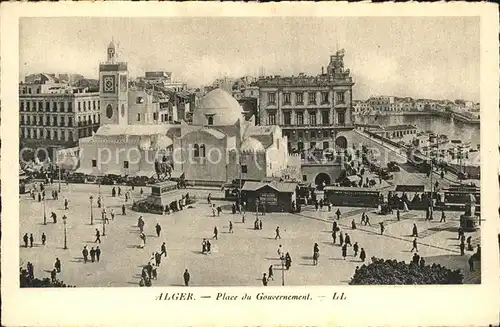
410,188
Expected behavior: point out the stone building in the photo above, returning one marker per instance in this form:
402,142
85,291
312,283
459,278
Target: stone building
314,112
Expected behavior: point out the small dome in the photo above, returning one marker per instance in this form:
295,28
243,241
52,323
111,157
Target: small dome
252,145
111,45
218,107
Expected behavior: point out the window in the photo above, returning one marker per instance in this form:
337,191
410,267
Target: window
35,134
94,163
313,145
38,90
70,136
300,97
312,98
61,121
300,118
300,146
313,134
93,105
28,106
22,120
244,169
49,135
312,118
139,100
29,90
70,106
286,98
84,106
286,118
29,133
271,119
325,117
21,106
210,120
271,98
28,120
301,134
196,152
155,116
61,106
54,121
70,121
341,118
326,145
138,117
325,134
304,178
54,106
79,106
47,106
202,151
93,119
125,164
40,120
324,97
340,97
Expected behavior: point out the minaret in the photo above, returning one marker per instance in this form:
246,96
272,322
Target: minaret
113,81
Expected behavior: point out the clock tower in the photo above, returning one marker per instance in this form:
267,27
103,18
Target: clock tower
113,89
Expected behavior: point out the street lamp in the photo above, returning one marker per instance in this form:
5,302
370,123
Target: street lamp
59,187
282,270
91,210
65,239
103,225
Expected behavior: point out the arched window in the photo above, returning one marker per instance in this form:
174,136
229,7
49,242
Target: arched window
202,150
196,151
210,120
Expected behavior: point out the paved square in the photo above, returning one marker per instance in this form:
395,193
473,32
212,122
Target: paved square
238,259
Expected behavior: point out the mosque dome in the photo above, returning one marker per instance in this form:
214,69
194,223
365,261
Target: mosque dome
252,145
217,108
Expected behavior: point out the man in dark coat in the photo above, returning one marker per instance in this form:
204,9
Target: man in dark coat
334,236
187,277
264,280
163,249
355,247
44,238
414,245
158,229
97,253
414,232
123,210
57,265
97,236
53,275
216,233
25,240
85,254
29,266
362,255
344,251
157,259
347,239
92,254
31,240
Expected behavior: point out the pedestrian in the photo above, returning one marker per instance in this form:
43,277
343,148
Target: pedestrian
154,273
315,258
416,259
119,191
97,253
355,247
469,244
462,248
362,255
92,255
260,224
97,236
414,232
341,238
112,213
30,268
157,259
460,232
85,254
277,233
142,191
123,210
209,198
66,202
54,217
163,249
243,217
44,238
280,251
271,273
471,263
216,232
149,269
264,279
25,240
353,224
443,217
414,245
57,265
398,214
230,227
143,240
113,192
31,240
219,210
338,214
344,251
186,277
367,220
382,227
422,262
209,247
158,229
347,239
334,236
53,275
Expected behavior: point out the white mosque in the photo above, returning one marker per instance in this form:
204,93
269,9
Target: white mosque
219,145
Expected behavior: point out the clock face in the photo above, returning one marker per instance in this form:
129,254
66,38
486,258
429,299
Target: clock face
109,84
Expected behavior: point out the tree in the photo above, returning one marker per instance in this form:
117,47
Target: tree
391,272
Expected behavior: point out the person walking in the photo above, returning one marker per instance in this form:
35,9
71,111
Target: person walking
163,249
460,232
469,244
97,253
362,218
57,265
209,198
347,240
25,240
260,224
216,233
271,273
334,237
462,248
443,217
382,228
157,259
264,280
158,229
31,240
44,238
341,238
53,275
54,217
92,255
85,254
414,232
398,216
344,251
353,224
123,210
277,233
209,246
338,214
288,261
414,245
280,251
112,213
367,220
142,237
315,258
97,236
362,255
230,227
355,247
187,277
66,202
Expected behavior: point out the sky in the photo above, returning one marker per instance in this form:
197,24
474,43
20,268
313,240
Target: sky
420,57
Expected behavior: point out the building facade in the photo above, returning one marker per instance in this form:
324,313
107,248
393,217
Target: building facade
314,112
54,117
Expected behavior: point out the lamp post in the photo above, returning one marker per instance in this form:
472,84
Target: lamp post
59,187
44,213
65,238
282,270
103,225
91,210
